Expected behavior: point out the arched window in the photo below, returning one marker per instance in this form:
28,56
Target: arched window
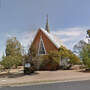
41,47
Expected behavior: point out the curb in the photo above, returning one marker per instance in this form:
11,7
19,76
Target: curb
43,82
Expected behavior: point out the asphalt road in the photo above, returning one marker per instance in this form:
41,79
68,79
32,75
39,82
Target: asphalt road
79,85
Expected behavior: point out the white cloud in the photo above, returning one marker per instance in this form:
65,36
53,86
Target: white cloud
75,31
66,39
70,36
26,38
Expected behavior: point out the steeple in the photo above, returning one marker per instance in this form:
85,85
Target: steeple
47,25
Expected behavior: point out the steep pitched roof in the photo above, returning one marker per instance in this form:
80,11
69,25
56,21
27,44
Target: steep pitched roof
51,37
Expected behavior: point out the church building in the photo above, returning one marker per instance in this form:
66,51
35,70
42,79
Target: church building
45,42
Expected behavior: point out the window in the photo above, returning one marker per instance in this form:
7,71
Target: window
41,47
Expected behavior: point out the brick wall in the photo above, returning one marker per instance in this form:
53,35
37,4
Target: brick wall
49,46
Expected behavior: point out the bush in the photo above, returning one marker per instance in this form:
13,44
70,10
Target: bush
85,56
50,61
74,60
7,63
68,58
46,62
36,62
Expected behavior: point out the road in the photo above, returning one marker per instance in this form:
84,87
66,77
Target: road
77,85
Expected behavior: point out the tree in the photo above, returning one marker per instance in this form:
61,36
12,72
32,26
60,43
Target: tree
68,58
73,58
13,54
79,46
32,51
7,63
30,59
85,55
13,47
32,54
63,52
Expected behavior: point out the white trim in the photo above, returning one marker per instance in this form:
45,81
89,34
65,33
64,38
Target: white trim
50,37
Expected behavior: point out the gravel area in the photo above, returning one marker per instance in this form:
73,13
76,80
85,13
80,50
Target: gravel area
44,76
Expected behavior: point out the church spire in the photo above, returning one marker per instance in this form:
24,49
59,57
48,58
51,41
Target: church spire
47,25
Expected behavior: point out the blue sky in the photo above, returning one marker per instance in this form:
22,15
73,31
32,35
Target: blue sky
68,19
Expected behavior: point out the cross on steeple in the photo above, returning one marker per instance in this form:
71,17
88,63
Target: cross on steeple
47,25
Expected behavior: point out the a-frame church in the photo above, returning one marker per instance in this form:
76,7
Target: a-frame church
44,41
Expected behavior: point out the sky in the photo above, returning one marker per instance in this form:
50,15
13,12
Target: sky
68,20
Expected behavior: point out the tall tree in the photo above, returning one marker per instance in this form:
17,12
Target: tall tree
13,47
13,52
68,55
79,46
85,55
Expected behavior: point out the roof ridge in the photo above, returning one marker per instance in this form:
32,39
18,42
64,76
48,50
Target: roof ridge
51,37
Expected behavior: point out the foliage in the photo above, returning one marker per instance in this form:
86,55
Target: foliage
50,61
85,55
13,52
79,46
32,59
7,62
46,62
88,32
63,51
73,58
32,52
36,62
13,47
18,60
70,57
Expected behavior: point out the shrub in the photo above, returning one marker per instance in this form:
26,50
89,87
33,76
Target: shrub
68,58
74,60
36,62
7,63
85,56
50,61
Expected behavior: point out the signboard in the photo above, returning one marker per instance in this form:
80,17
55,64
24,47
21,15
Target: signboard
27,65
